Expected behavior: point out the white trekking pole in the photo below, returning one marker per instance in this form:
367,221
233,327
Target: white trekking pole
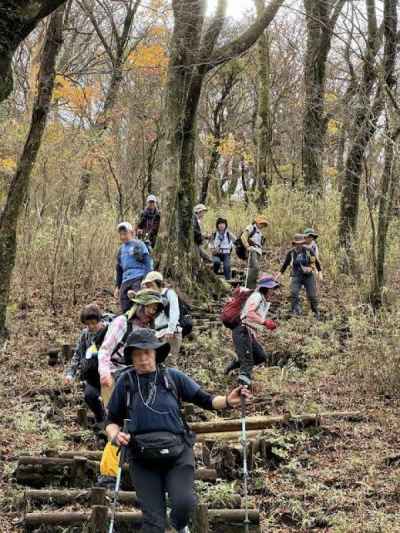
245,470
247,271
122,455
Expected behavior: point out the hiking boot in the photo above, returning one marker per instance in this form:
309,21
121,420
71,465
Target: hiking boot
184,530
106,482
233,365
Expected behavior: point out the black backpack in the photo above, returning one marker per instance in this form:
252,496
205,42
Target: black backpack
90,367
241,250
185,318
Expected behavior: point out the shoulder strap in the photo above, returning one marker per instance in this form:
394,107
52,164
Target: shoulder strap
122,342
170,384
253,231
130,387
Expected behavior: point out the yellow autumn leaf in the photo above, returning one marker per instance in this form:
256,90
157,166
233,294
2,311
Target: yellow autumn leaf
333,127
149,56
331,172
228,146
8,164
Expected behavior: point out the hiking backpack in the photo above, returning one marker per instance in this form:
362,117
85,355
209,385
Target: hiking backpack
240,248
230,315
185,318
90,365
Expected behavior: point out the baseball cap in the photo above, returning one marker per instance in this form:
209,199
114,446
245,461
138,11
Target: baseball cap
151,198
126,226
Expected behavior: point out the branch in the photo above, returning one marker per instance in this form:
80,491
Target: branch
213,31
247,39
89,12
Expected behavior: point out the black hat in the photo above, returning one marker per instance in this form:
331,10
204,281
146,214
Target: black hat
221,220
144,338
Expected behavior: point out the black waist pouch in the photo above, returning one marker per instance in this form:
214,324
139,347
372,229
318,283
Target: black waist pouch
160,447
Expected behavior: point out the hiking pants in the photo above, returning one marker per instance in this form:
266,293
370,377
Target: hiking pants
254,269
307,281
92,399
130,285
248,350
225,259
152,484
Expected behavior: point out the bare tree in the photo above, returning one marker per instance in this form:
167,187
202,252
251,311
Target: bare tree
194,53
20,182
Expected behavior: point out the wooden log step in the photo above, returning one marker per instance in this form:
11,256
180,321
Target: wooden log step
232,516
263,422
65,497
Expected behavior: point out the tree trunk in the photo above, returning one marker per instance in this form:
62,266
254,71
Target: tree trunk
320,27
20,182
362,131
17,21
264,127
390,178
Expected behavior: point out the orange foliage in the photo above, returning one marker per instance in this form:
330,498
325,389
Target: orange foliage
149,57
77,97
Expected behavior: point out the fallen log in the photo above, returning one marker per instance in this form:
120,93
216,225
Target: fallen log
263,422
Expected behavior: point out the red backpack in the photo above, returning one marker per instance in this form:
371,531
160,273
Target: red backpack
232,310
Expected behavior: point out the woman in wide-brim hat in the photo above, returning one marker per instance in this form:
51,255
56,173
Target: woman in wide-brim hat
160,446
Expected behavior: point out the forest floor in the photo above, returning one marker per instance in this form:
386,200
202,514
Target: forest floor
342,476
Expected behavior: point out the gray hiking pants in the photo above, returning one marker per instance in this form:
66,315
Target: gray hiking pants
307,281
249,350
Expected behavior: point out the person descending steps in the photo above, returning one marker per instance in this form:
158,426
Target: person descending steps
249,247
304,265
158,440
246,314
133,263
221,246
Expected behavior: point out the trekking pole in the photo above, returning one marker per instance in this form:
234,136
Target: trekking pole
245,470
247,271
122,454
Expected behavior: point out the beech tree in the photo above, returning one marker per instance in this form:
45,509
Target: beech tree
20,181
194,53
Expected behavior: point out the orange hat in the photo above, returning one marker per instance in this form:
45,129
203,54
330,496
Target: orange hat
260,219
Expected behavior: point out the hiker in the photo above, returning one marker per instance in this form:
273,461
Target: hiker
311,236
249,247
303,262
160,444
133,263
167,322
146,306
199,238
149,222
221,246
94,322
246,321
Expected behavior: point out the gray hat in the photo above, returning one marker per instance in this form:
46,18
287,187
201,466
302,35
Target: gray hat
144,338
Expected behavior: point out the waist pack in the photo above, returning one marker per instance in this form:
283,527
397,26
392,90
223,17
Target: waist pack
159,446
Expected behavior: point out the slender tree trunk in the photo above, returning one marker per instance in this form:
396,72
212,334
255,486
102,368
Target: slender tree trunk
390,177
320,26
264,127
20,182
362,131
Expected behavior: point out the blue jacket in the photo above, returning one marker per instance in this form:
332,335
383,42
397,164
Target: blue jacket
133,261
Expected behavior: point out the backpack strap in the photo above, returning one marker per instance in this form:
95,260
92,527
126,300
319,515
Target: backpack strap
170,385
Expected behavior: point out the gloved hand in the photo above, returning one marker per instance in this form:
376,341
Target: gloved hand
271,325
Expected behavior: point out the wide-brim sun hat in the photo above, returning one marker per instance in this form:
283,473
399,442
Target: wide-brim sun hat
153,276
261,220
200,208
145,339
147,297
298,239
268,282
310,232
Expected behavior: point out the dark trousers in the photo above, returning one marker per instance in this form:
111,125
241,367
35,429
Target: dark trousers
307,281
92,398
152,484
253,269
130,285
225,260
248,350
